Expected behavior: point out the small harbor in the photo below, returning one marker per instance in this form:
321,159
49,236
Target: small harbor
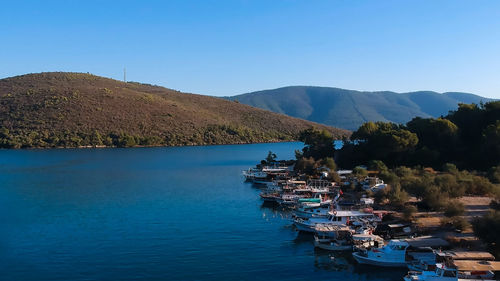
349,225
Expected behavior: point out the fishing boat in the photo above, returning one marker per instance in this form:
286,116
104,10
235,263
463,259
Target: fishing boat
288,199
333,237
254,174
270,196
310,210
391,255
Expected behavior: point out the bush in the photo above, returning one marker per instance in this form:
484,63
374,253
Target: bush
450,168
454,208
377,165
458,223
397,196
487,229
433,198
329,163
359,172
448,183
306,165
494,174
389,177
409,211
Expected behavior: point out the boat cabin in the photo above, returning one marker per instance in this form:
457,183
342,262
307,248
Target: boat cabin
349,217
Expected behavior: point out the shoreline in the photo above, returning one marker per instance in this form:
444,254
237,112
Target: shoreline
139,146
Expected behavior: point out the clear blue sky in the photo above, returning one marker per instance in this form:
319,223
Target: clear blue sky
232,47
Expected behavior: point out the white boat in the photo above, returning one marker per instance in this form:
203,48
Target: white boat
463,270
391,255
335,218
310,210
254,174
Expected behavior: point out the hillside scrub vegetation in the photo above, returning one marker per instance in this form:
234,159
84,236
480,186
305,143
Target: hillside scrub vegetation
62,109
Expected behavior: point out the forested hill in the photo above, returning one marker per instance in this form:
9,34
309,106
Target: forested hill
76,109
349,109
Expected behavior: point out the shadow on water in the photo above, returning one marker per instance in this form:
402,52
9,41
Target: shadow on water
333,261
344,262
375,272
303,237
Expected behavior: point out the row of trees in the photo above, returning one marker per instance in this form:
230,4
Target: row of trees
215,134
468,137
69,139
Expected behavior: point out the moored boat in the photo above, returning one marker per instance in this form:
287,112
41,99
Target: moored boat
333,237
335,218
391,255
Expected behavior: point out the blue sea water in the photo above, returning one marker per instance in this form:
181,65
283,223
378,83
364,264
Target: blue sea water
179,213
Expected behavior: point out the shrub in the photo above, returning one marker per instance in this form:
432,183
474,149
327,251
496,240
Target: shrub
454,208
433,198
397,196
448,183
377,165
458,223
450,168
494,174
359,172
487,229
329,163
409,211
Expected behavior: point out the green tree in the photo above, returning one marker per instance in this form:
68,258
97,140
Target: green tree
126,140
306,165
329,163
271,157
317,144
96,138
377,165
359,172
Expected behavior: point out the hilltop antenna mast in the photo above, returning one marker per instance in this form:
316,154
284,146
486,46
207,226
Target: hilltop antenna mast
124,74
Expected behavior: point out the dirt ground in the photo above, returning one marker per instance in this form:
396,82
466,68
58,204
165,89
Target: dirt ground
474,207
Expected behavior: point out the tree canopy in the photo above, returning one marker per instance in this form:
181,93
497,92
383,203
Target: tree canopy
468,137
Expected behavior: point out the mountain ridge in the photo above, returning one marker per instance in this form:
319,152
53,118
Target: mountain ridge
348,109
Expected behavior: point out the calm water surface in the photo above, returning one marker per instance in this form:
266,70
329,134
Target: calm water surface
180,213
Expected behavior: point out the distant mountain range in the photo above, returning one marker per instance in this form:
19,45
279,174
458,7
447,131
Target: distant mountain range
349,109
77,109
